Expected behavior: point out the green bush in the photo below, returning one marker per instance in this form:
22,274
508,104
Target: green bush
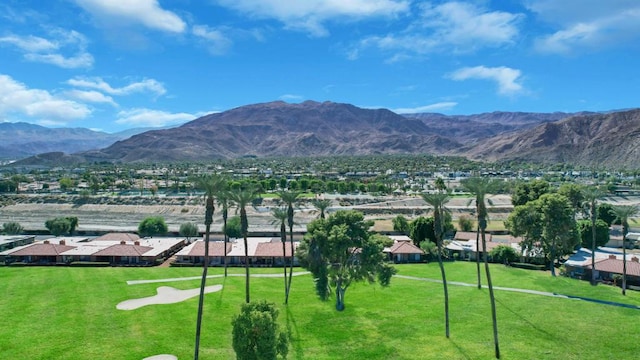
256,334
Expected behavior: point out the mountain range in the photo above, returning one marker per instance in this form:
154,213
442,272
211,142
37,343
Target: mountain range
321,129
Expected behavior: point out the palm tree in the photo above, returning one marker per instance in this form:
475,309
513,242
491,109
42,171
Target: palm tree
438,200
321,205
211,184
592,194
242,198
480,187
289,198
280,218
225,201
623,214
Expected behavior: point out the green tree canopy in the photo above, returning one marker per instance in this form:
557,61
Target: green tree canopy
339,251
559,235
606,213
400,224
12,228
189,230
233,228
465,223
58,226
586,233
528,191
152,226
256,334
504,254
421,229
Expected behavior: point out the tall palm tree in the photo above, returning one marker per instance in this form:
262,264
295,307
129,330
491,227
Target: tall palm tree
280,218
243,197
210,184
321,205
480,187
290,198
225,201
591,195
623,214
438,201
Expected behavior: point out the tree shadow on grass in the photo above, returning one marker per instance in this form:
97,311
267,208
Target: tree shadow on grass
294,333
221,292
525,320
460,349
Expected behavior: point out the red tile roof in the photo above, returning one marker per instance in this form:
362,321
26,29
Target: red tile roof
405,247
118,237
42,250
216,248
274,249
614,266
123,250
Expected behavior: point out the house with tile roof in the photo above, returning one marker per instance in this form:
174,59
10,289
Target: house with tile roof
262,251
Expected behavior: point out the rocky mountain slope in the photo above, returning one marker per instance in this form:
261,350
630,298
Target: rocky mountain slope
609,140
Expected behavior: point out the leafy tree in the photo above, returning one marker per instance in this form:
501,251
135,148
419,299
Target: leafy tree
256,334
58,226
233,229
321,206
504,254
290,198
528,191
438,202
585,231
339,251
465,223
73,224
439,184
421,229
480,187
12,228
243,197
400,224
605,212
152,226
575,194
189,230
211,185
623,214
66,183
525,221
559,236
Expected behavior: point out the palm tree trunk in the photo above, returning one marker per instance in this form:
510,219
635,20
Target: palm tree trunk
491,296
478,256
286,299
553,257
593,244
226,240
446,291
203,282
624,259
283,239
246,268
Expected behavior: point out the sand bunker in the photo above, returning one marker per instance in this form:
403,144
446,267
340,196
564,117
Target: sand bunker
166,295
162,357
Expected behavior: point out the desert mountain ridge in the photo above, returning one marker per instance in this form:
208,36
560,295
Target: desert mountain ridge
328,129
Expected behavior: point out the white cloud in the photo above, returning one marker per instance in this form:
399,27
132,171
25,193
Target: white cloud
310,15
144,12
16,98
50,51
506,78
97,83
153,118
587,24
216,41
441,106
90,96
453,26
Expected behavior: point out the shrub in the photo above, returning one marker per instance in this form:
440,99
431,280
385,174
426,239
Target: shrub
12,228
256,334
153,226
529,266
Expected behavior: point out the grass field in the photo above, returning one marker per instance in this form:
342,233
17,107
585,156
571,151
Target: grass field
70,313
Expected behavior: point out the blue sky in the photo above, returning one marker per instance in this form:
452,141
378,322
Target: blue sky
118,64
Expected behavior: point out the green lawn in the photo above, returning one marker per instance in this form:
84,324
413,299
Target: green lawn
70,313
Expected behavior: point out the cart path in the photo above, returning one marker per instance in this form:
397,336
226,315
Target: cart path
136,282
526,291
